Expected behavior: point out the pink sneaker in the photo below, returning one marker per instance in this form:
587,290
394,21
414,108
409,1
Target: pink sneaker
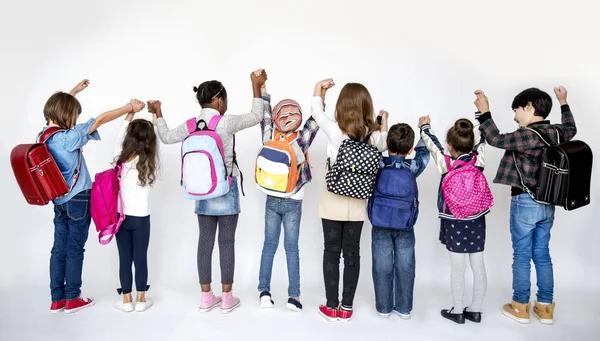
229,302
209,301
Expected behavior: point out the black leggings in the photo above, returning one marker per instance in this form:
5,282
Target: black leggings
206,243
341,235
132,241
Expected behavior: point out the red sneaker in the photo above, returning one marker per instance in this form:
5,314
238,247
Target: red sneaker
330,314
78,304
57,307
345,314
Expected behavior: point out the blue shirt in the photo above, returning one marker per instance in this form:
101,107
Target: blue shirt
416,165
64,147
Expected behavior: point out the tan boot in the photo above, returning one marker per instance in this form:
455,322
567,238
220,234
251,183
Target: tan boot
517,311
544,313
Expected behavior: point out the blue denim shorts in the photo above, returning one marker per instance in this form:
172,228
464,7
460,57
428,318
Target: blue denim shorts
227,204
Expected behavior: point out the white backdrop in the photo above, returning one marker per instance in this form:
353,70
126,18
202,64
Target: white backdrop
415,58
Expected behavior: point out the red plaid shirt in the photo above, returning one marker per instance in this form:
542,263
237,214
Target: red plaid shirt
526,145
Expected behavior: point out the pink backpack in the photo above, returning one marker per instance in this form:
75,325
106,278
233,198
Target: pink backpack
465,189
107,204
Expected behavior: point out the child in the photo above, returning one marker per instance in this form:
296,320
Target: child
223,210
464,236
394,250
72,211
137,152
286,118
530,222
343,217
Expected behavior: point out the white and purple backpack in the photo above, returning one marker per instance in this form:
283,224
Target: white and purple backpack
203,170
465,189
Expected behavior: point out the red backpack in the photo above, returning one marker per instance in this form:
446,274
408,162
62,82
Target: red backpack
37,173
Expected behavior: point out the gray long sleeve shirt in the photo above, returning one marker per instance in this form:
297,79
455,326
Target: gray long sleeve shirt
227,127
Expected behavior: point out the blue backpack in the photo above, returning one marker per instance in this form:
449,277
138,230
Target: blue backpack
395,201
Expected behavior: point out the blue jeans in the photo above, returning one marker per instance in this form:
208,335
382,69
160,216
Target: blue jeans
227,204
530,225
393,269
288,212
71,225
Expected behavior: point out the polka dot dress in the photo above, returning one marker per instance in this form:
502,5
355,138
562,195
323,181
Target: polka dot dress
463,236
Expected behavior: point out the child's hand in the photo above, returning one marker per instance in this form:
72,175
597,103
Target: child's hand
136,105
258,78
424,120
322,86
561,94
154,106
384,120
481,102
80,87
326,84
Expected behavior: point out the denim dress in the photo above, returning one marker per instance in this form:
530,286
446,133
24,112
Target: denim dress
227,204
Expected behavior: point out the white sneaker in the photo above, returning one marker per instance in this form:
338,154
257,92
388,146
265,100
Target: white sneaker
386,315
265,300
124,307
143,306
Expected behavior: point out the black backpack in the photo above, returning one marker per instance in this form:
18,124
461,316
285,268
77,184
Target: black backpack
565,173
355,169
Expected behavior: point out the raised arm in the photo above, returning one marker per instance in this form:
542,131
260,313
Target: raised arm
327,124
266,125
122,133
432,143
236,123
166,135
568,127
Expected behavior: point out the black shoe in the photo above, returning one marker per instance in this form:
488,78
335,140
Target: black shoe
458,318
294,304
472,316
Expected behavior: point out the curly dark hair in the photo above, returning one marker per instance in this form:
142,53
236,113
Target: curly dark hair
140,140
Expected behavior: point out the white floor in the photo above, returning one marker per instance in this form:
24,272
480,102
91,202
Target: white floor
25,316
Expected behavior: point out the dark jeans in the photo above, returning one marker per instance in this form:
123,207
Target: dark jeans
71,225
132,241
393,269
341,235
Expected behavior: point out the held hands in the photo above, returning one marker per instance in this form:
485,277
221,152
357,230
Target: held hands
263,88
136,105
258,78
424,120
80,87
154,106
561,94
481,102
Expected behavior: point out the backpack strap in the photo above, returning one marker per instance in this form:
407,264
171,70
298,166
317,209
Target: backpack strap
44,136
191,125
235,163
457,163
545,138
214,121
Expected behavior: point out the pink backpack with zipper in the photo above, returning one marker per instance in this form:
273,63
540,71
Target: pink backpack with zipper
465,189
107,203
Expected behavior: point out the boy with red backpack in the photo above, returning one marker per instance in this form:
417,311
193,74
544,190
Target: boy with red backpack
463,201
72,209
282,169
